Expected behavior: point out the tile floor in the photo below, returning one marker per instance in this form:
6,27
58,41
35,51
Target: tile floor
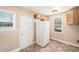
53,46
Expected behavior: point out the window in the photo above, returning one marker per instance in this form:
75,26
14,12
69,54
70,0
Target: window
7,21
58,24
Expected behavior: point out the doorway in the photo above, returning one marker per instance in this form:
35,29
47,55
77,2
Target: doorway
26,31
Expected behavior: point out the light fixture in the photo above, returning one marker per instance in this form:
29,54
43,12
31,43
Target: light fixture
54,11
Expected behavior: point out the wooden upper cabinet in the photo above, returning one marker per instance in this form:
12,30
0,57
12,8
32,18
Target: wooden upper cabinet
70,17
41,17
73,16
76,11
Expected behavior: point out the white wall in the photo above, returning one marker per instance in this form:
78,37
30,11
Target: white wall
70,32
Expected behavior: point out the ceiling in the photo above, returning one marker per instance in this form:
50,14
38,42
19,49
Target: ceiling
47,10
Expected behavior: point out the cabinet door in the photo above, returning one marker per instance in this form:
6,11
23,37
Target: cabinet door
70,17
76,15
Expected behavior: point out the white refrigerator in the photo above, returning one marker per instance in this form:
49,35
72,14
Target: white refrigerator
42,33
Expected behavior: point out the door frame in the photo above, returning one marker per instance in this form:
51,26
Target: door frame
20,30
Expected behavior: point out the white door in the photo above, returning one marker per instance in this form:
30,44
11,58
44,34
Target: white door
26,31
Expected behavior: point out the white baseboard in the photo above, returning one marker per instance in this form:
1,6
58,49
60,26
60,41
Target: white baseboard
65,42
18,49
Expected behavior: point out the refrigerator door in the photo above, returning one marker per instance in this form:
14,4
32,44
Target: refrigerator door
42,33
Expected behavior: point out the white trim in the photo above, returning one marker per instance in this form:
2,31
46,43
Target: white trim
62,24
65,42
14,21
18,49
27,46
20,31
